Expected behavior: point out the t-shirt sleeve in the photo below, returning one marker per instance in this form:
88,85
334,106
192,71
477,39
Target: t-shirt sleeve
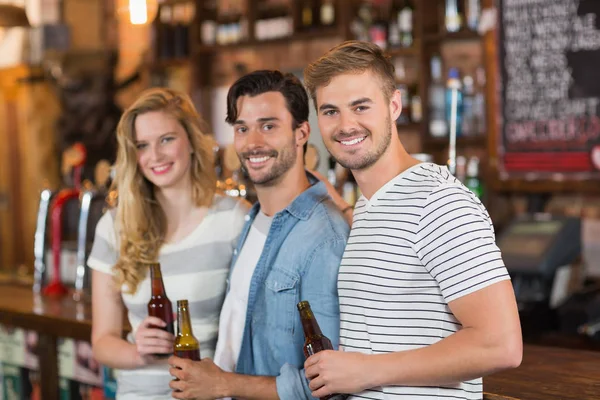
104,254
456,242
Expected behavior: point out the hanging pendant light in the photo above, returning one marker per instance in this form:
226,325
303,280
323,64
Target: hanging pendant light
137,12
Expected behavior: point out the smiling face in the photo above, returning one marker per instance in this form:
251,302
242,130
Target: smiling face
264,139
163,149
355,119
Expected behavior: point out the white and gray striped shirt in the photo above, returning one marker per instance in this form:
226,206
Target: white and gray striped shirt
195,268
420,242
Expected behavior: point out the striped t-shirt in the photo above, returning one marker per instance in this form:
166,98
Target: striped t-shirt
420,242
195,268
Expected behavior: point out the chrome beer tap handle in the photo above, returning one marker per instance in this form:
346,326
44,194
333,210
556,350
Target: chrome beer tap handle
39,243
86,201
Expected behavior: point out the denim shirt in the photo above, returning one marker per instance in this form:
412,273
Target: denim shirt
300,261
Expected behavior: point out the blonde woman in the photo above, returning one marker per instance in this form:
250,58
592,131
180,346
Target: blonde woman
167,211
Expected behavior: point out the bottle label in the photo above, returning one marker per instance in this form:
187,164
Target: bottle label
193,355
327,14
438,128
453,23
378,36
405,20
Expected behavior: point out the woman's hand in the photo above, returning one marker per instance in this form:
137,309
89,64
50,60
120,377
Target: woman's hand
150,340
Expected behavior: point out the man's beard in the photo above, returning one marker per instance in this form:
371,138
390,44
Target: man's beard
365,161
280,165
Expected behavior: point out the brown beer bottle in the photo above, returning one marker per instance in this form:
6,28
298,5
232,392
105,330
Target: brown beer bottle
186,345
159,305
315,341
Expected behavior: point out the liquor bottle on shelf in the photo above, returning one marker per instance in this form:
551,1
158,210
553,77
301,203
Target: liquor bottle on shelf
361,23
378,30
469,124
438,126
399,69
405,24
232,27
208,26
273,21
473,182
327,13
394,25
479,106
473,12
307,15
453,18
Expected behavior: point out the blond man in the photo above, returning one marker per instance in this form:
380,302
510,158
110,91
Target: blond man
426,303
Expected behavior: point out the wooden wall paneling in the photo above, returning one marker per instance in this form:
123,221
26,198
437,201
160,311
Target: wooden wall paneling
28,162
492,96
9,165
6,238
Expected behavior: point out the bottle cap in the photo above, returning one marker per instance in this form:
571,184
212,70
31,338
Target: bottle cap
182,303
303,305
453,73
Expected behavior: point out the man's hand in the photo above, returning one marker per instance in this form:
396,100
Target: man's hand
201,380
337,372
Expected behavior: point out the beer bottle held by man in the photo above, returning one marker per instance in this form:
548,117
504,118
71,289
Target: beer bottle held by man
186,345
159,305
314,341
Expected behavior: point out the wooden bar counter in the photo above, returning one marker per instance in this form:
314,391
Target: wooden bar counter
546,373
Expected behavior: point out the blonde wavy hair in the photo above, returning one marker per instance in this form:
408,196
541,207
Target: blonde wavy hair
140,219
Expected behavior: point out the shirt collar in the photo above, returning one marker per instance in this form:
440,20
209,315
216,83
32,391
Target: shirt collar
304,204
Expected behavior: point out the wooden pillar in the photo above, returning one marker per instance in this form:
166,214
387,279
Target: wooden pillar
28,113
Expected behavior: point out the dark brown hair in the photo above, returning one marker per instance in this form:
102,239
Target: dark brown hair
259,82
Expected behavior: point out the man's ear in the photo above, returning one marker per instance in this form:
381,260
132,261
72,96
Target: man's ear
395,105
302,133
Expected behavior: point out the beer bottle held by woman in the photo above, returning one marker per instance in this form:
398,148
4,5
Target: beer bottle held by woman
314,341
186,345
159,305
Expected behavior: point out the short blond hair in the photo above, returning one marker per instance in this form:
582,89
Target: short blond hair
350,57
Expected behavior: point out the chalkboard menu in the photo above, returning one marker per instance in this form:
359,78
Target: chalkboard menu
550,88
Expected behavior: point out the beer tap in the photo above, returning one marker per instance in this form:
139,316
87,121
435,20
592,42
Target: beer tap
39,241
74,158
82,226
102,174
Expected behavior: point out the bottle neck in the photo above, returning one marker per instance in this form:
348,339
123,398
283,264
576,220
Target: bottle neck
158,286
309,323
184,326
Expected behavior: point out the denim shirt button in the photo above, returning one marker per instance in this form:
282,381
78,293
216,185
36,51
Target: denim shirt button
247,218
235,252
